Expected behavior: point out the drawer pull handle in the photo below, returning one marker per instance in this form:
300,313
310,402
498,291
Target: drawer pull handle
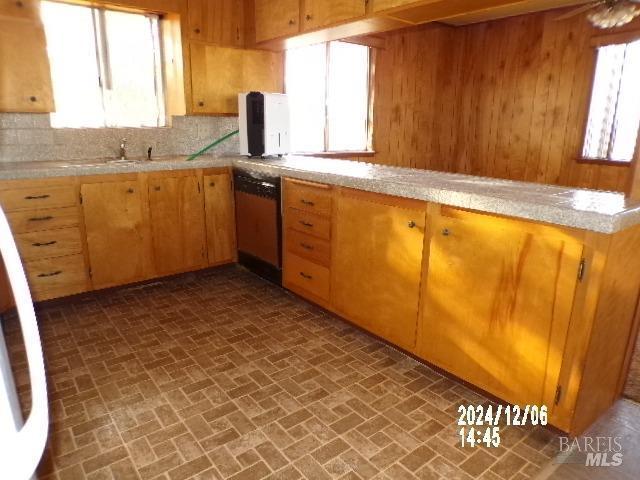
306,224
307,202
411,224
157,189
52,274
45,244
304,275
306,246
446,232
36,197
41,219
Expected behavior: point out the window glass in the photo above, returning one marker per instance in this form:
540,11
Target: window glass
328,89
348,96
105,67
614,113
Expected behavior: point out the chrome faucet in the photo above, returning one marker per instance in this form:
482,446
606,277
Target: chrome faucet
123,149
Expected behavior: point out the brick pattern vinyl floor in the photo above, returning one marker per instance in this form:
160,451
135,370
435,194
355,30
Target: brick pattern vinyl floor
221,375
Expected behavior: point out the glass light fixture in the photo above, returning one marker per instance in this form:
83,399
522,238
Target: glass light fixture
614,14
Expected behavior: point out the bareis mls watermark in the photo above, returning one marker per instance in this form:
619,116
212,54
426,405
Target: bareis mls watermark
591,451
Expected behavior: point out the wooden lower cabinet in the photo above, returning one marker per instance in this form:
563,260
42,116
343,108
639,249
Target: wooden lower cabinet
117,232
220,218
377,263
177,223
497,302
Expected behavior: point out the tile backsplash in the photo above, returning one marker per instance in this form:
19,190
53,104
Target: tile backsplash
29,137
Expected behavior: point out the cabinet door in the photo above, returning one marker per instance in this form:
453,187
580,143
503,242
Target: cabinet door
218,74
322,13
217,21
376,268
276,18
221,231
117,233
497,303
25,81
177,224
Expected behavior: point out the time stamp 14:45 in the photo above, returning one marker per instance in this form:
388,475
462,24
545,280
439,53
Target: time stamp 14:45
480,425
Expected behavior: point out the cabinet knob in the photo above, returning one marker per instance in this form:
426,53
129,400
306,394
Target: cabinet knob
19,4
212,184
33,99
157,189
129,190
411,224
201,104
196,30
308,17
446,232
292,22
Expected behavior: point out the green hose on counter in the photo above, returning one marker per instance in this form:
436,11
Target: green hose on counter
218,141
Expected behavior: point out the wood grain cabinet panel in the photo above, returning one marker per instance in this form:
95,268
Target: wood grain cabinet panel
218,74
56,277
177,224
24,9
38,197
217,21
381,5
497,303
321,13
308,276
117,232
309,223
377,264
276,18
25,85
220,218
24,221
311,197
50,243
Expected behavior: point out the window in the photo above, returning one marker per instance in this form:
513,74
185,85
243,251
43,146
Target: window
328,89
614,115
105,66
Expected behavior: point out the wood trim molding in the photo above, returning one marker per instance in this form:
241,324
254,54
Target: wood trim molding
615,38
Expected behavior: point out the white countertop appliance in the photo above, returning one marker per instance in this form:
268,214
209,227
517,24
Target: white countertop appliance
21,442
264,124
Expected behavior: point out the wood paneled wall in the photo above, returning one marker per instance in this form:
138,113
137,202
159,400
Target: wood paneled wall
507,99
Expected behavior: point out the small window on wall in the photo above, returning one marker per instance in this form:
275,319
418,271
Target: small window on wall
328,89
614,114
106,67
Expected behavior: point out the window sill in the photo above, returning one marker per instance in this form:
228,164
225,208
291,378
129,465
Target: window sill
600,161
345,154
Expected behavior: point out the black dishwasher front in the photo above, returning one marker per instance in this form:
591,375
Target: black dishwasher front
259,223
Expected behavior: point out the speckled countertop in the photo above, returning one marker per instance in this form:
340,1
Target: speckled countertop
599,211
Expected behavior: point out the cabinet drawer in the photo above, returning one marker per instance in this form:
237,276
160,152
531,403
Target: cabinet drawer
308,223
37,197
57,277
310,197
309,247
51,243
43,219
306,275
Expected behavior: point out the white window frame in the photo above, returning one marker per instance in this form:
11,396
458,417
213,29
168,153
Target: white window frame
597,43
369,119
104,67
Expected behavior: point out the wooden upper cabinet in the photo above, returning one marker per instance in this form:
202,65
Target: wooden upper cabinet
25,9
276,18
218,74
25,80
117,232
377,263
220,218
321,13
497,303
380,5
217,21
177,223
